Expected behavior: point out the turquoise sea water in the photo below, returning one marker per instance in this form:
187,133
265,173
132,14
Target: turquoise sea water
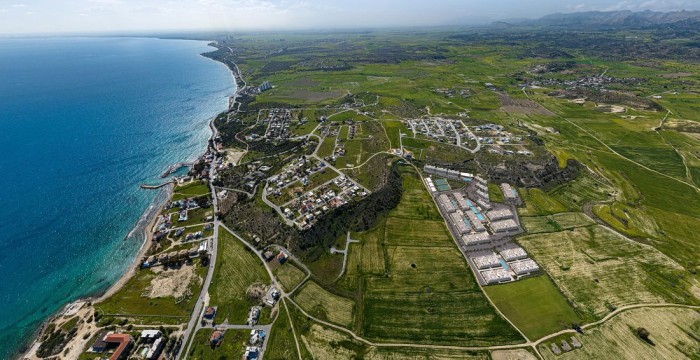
83,122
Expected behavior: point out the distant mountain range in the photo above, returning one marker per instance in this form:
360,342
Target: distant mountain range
689,20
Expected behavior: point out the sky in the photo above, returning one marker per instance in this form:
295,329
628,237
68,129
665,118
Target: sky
70,16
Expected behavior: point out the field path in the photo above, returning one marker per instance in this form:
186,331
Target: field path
628,159
612,315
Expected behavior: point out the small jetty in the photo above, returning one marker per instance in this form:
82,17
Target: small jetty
150,187
173,168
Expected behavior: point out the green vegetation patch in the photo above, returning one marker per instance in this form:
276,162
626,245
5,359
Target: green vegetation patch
289,275
137,296
232,346
672,330
281,344
554,223
495,193
599,270
427,294
321,303
534,305
236,269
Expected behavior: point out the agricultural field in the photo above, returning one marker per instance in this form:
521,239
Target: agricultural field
598,270
555,223
237,268
534,305
425,291
289,275
613,160
322,342
672,330
327,306
281,345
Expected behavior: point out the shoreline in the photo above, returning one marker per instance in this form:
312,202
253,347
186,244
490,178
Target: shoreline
29,352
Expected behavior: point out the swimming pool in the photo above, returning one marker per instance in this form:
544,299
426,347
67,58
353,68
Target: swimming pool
505,265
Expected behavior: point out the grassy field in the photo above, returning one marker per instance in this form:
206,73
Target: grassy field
321,342
236,269
413,284
289,275
373,173
320,303
596,268
554,223
195,188
674,332
394,129
534,305
130,298
495,193
327,147
232,347
280,345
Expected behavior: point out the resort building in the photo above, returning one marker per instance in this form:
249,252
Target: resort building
509,193
460,201
446,204
522,267
474,239
496,275
513,253
486,261
484,204
501,214
504,225
459,223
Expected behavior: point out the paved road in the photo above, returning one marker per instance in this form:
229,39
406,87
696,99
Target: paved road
194,324
344,252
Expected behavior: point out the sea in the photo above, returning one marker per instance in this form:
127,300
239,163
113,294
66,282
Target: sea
83,122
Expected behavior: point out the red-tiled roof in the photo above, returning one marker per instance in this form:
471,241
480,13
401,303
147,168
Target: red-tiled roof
122,339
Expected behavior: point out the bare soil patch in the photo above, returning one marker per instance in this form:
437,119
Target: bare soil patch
675,75
516,354
523,106
171,282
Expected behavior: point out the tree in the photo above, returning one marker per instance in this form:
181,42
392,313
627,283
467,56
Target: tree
643,334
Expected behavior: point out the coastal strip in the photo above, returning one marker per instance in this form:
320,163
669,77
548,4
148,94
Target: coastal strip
85,304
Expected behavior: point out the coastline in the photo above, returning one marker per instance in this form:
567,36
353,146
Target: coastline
156,206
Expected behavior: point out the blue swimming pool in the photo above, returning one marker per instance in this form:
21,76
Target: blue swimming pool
505,265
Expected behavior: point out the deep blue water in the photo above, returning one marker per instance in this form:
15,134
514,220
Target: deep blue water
83,122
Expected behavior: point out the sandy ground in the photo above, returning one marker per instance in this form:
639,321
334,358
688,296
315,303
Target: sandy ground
171,282
233,155
516,354
615,109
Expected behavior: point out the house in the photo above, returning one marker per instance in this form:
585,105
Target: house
209,312
149,335
183,216
99,345
281,257
251,353
155,349
256,337
216,338
123,342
